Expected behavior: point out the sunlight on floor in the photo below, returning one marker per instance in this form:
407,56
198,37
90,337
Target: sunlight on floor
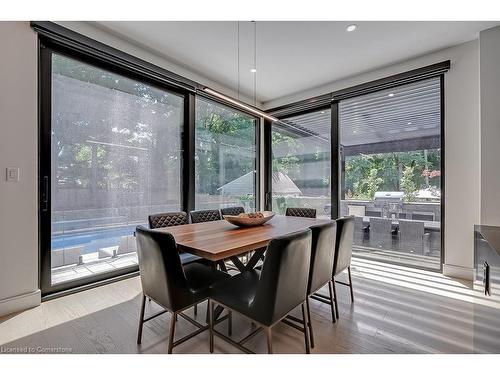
426,281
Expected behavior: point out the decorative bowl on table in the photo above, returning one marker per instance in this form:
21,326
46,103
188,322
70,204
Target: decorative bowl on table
251,219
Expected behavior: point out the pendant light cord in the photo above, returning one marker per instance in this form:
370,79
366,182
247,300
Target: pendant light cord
255,63
238,57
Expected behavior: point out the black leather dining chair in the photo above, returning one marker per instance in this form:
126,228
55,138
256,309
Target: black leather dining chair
171,219
232,211
202,216
267,297
167,219
320,272
321,268
341,262
343,254
172,286
301,212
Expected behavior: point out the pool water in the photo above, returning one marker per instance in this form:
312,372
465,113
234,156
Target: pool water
92,240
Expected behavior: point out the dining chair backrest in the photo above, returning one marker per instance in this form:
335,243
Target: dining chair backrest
162,276
202,216
380,226
425,216
322,252
232,211
343,244
167,219
301,212
359,230
358,224
354,210
411,230
283,280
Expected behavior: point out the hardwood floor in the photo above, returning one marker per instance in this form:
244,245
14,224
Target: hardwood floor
396,310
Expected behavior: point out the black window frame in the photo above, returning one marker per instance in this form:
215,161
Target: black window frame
258,146
53,38
268,154
332,100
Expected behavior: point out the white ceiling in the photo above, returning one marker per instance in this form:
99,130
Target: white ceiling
291,56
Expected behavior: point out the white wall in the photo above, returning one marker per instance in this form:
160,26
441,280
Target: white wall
462,144
490,126
18,147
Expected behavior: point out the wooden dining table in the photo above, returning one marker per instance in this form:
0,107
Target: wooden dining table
219,240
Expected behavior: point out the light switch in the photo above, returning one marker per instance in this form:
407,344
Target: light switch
12,174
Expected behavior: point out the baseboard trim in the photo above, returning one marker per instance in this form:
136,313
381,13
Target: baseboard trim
20,302
466,273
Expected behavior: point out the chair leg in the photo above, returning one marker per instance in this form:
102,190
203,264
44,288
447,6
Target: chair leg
230,323
350,283
210,311
222,266
335,298
306,334
269,340
141,319
195,309
173,319
332,307
309,323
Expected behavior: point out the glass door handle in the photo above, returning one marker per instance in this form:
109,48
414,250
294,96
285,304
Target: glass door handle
45,193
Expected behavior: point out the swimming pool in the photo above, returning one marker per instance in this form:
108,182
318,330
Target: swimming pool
92,240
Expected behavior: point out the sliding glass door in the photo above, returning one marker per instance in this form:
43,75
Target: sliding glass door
390,172
115,158
225,157
301,162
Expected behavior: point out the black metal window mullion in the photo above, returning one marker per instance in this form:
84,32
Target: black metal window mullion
335,173
268,165
188,155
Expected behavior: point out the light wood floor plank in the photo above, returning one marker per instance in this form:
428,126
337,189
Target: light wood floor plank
435,314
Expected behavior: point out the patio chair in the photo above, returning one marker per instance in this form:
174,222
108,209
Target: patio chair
412,236
360,230
425,216
380,232
354,210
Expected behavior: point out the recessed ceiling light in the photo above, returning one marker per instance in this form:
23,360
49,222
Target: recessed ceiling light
390,95
409,122
351,28
354,131
322,112
253,70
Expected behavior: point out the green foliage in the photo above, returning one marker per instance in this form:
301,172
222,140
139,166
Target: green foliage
369,184
289,163
395,171
408,184
225,145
